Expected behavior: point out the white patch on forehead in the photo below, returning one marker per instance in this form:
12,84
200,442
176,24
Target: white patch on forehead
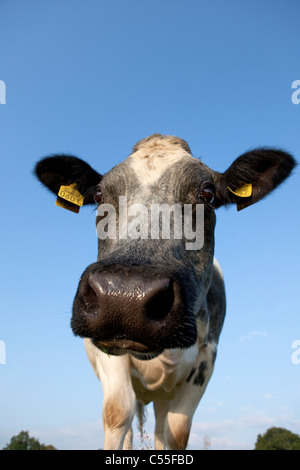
153,158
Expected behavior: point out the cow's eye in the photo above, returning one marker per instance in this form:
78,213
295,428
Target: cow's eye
98,196
207,194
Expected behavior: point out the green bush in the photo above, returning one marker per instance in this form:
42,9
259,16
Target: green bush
24,442
278,439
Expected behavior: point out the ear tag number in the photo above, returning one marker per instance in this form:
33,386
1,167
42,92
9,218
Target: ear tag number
243,191
69,198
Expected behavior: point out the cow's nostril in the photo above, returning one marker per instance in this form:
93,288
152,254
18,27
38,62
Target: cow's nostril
93,292
160,303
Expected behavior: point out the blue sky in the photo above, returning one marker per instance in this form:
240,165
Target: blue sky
91,78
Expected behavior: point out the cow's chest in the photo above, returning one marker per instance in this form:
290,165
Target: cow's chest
158,378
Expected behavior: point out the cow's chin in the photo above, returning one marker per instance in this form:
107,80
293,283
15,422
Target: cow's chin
120,347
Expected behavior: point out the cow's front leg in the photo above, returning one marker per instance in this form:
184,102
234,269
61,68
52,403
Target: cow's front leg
182,407
128,440
160,409
119,399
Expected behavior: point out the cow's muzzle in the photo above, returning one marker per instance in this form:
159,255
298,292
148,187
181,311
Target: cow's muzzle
132,309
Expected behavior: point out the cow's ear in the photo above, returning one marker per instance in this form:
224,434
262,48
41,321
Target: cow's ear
252,176
65,170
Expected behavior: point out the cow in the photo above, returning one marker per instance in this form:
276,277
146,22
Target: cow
152,307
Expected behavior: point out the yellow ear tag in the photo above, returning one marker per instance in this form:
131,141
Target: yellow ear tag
69,198
243,191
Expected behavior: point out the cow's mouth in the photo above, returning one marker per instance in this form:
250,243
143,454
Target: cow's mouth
118,347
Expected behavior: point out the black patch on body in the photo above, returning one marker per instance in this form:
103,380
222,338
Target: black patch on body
191,374
200,376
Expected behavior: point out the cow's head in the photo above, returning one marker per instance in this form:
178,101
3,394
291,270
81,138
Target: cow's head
155,225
